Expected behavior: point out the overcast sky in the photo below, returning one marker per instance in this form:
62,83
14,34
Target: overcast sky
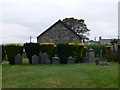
20,19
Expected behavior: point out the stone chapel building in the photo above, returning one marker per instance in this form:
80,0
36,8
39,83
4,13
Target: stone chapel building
58,33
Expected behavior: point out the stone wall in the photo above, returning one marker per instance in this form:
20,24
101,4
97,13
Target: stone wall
58,34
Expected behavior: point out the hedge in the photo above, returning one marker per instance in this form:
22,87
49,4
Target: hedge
64,51
3,51
48,48
97,49
12,50
77,52
31,49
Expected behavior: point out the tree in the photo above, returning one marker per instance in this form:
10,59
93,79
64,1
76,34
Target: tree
78,26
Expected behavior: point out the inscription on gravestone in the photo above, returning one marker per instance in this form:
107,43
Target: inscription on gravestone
18,59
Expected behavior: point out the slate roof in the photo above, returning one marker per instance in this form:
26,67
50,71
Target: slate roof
65,25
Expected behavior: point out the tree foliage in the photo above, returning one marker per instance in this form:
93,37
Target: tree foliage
78,25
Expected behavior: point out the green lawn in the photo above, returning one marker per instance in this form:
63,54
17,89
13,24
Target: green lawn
60,76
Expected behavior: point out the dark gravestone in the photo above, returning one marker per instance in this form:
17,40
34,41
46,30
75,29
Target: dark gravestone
18,59
71,60
34,59
55,60
102,62
45,59
85,60
40,58
91,55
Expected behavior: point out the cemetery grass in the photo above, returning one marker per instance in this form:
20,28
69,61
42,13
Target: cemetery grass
59,76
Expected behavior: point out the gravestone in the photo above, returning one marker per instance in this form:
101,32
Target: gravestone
91,55
85,60
40,58
45,59
102,62
34,59
56,60
70,60
18,59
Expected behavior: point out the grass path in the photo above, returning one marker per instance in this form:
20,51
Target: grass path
60,76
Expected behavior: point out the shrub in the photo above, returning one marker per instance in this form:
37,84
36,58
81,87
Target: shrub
112,56
3,51
77,52
118,46
97,49
63,51
31,49
84,52
48,48
12,50
71,49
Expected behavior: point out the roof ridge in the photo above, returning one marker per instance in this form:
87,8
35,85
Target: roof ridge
63,24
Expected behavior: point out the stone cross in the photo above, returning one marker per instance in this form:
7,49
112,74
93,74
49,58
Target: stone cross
18,59
91,55
34,59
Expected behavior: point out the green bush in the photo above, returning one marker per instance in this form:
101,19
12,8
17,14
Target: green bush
31,49
12,50
97,49
49,49
3,52
112,55
63,51
118,46
77,52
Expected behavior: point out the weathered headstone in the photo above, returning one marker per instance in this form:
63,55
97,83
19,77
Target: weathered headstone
91,55
18,59
40,58
56,60
85,60
70,60
34,59
102,62
45,59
